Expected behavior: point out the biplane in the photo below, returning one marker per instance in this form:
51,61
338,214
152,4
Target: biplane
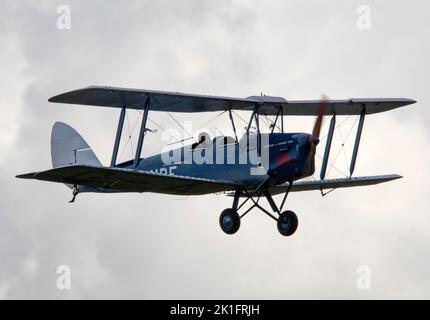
280,162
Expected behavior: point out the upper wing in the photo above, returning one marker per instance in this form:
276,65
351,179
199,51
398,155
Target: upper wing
159,100
334,183
127,180
181,102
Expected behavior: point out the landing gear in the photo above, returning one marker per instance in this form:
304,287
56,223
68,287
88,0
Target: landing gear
229,221
287,223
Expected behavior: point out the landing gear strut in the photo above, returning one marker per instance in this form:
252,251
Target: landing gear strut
287,221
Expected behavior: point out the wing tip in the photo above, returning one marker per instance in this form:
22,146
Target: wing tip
396,176
59,98
26,175
410,101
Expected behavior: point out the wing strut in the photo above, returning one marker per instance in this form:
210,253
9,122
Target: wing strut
118,137
328,147
142,132
232,124
282,119
257,123
357,140
248,128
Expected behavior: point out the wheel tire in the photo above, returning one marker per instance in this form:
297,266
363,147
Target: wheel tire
229,221
287,223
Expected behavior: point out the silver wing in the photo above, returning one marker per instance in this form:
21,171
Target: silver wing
334,183
182,102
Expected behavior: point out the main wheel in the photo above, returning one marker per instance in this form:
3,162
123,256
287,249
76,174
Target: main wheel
287,223
229,221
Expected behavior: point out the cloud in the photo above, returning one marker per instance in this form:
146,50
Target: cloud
157,246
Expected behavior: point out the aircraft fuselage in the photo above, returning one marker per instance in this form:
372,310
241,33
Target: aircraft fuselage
277,157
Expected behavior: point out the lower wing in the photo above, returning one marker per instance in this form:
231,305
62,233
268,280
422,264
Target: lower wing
333,183
101,179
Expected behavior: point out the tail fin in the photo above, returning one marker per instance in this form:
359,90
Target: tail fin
69,148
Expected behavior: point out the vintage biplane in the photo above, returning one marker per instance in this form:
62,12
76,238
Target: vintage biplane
290,157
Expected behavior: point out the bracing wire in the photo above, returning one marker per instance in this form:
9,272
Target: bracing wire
161,128
212,119
130,134
342,147
331,164
177,122
246,122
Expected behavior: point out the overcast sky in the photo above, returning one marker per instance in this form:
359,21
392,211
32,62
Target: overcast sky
158,246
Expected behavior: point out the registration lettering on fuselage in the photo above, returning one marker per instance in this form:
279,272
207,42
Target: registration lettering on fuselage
165,170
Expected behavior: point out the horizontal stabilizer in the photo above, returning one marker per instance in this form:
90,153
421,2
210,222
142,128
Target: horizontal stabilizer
102,179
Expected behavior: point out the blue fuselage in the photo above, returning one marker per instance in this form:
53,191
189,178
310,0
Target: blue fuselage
275,157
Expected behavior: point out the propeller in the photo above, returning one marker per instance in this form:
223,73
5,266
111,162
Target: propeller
314,139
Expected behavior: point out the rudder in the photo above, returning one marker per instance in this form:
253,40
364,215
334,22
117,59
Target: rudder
69,148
